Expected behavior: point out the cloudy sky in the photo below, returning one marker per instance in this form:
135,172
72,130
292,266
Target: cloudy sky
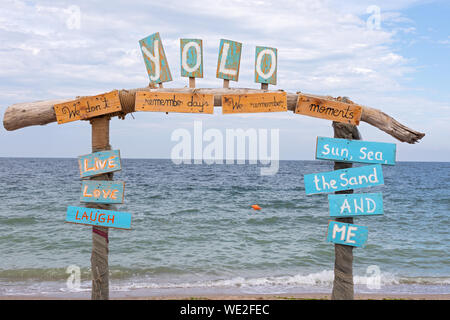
398,63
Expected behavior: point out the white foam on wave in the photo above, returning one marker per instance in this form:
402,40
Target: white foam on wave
319,279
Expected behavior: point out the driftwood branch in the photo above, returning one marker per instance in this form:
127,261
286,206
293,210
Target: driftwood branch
23,115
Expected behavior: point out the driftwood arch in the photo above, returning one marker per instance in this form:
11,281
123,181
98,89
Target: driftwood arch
23,115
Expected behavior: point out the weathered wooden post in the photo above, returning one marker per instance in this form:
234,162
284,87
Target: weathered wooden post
191,82
98,190
343,261
100,241
344,151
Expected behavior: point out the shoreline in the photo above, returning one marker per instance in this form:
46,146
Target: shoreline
298,296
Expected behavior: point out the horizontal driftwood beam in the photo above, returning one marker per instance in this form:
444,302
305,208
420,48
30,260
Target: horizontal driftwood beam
23,115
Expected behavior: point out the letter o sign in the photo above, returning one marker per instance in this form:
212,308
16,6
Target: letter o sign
191,58
266,65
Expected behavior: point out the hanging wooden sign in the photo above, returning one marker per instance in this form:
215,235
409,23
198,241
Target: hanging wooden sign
347,234
229,60
174,102
98,217
355,151
155,59
328,109
344,179
99,162
191,58
88,107
356,204
102,191
266,65
254,102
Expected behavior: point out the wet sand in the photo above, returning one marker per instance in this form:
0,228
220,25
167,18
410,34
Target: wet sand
303,296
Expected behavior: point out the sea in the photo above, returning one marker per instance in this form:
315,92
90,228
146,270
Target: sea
195,233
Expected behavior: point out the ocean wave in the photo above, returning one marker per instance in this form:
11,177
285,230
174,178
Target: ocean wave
57,274
11,221
54,281
139,278
320,279
263,221
38,274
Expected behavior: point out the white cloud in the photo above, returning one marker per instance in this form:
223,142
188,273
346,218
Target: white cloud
318,44
324,47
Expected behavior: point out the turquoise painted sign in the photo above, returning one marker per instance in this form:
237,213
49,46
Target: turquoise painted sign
98,217
102,191
355,151
155,59
99,162
229,60
347,234
266,65
356,204
191,58
345,179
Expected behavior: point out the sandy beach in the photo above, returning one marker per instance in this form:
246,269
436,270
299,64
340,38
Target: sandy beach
303,296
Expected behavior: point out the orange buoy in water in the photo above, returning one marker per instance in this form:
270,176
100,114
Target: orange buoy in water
256,207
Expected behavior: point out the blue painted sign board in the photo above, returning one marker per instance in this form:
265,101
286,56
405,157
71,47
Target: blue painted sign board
99,162
229,60
347,234
356,204
191,58
102,191
98,217
355,151
266,65
155,59
344,179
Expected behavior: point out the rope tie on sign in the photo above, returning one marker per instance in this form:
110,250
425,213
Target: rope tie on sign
127,101
100,238
97,230
128,98
101,233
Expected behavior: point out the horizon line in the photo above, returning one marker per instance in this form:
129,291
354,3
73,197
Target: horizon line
131,158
